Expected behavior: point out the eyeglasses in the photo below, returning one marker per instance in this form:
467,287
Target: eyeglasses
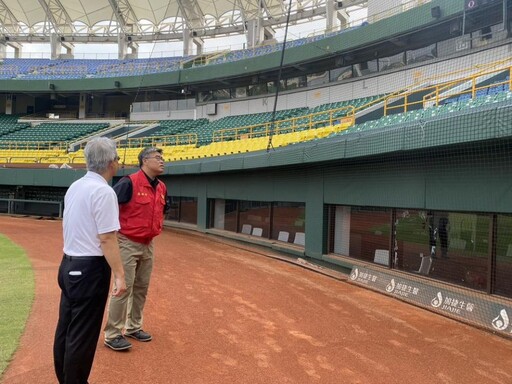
157,158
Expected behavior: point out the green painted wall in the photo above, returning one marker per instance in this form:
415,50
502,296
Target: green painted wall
39,177
474,178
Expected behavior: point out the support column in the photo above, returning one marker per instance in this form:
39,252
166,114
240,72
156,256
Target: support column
3,49
127,48
192,44
57,43
122,46
55,46
254,32
69,47
82,104
331,22
16,46
336,18
8,104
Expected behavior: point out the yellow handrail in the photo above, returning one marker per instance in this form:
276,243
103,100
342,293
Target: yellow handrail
304,122
159,141
434,93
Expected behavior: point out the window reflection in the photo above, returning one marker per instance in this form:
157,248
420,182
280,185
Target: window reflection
182,209
457,243
503,272
363,233
282,221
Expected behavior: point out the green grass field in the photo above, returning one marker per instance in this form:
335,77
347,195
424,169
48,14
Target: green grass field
16,296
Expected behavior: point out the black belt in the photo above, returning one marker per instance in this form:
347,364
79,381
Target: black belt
89,258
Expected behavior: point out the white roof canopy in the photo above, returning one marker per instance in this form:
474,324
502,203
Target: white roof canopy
149,17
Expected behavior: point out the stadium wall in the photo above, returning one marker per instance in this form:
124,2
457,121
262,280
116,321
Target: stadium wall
379,83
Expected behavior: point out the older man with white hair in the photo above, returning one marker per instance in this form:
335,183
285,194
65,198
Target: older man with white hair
91,253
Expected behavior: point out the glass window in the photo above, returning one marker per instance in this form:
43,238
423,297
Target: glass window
183,209
503,272
287,220
295,82
225,214
221,94
363,233
318,78
456,245
366,67
392,62
205,96
258,89
256,214
188,210
339,74
414,229
241,92
421,54
174,210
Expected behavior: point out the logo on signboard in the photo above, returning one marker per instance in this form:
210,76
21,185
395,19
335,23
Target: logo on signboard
391,286
354,274
437,301
501,321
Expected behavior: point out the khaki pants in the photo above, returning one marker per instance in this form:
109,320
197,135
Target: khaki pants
126,311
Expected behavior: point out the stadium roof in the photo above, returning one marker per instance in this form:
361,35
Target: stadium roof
149,17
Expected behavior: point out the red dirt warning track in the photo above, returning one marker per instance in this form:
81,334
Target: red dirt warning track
223,314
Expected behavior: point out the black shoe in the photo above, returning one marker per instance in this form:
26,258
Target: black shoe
118,344
139,335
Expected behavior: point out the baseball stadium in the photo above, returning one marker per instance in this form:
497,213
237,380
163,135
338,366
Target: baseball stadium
339,176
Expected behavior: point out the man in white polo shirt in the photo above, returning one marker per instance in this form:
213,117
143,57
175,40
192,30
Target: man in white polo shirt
91,253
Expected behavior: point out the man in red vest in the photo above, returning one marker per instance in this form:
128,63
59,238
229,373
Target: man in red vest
142,202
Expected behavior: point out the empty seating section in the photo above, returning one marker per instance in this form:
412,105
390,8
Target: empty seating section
46,69
9,124
420,115
257,124
53,132
32,156
270,48
176,127
194,139
137,67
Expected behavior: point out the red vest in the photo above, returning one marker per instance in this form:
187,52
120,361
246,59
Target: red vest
143,216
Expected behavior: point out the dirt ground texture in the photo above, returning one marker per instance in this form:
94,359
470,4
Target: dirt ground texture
225,314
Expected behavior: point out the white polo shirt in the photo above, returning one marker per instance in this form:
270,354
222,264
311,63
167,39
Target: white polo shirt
90,209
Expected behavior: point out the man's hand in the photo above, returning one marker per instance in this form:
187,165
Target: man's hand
110,249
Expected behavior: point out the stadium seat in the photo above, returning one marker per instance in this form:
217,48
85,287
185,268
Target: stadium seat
257,231
246,229
425,266
381,257
283,236
300,238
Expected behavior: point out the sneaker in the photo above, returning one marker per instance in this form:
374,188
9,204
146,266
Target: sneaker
139,335
118,344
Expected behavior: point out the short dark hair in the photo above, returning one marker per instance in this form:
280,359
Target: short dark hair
146,152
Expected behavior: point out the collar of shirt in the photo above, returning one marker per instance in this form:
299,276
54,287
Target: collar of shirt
152,182
94,175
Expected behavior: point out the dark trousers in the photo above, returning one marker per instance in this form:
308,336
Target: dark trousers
85,284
